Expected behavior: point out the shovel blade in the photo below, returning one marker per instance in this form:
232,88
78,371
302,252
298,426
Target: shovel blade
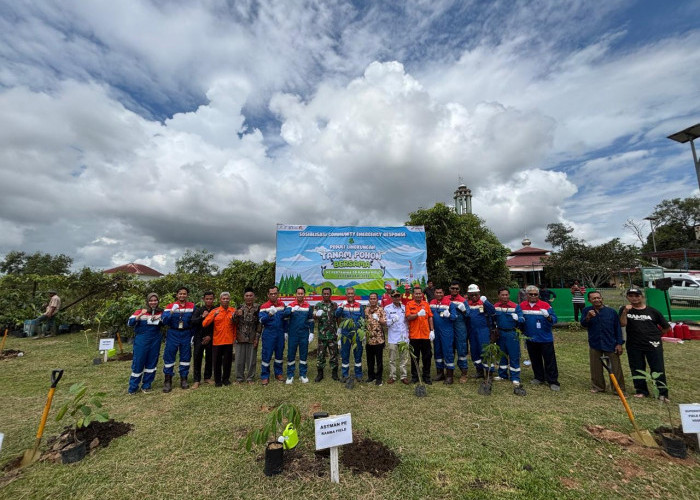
644,438
30,456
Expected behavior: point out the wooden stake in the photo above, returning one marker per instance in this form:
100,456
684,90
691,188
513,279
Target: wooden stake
335,471
105,360
119,340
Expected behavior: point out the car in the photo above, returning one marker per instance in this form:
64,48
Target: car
685,289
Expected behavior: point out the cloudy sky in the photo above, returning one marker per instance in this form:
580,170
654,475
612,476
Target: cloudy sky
134,130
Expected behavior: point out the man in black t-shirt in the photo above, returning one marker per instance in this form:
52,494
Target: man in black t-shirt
645,325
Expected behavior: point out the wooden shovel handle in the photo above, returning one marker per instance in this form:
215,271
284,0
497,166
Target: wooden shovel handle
4,337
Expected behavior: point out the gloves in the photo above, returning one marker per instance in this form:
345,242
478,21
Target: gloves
461,307
311,337
432,335
341,305
514,316
272,311
545,313
483,298
340,343
421,313
176,307
339,332
375,316
445,314
318,313
295,308
286,337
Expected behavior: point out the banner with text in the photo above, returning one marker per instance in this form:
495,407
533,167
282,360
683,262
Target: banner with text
363,257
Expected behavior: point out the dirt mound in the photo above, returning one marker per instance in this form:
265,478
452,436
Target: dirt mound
11,353
368,455
602,434
124,356
300,465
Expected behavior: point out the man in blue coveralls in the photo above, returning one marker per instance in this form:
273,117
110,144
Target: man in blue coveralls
300,334
178,317
350,309
444,316
273,316
481,313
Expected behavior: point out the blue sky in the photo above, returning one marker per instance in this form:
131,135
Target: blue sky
136,130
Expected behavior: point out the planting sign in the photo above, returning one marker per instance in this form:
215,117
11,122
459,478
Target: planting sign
362,257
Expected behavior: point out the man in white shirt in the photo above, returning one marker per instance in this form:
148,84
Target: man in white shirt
49,315
397,332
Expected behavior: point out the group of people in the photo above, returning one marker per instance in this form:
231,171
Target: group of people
452,326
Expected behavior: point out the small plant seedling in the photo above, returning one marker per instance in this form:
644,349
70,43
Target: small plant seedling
654,384
358,333
83,408
275,423
491,354
421,389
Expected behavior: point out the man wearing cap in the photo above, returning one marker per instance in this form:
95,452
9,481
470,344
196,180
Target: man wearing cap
421,333
273,316
604,339
460,326
178,318
645,326
444,316
49,316
539,318
397,331
352,310
481,313
300,334
247,337
386,298
429,292
406,297
324,316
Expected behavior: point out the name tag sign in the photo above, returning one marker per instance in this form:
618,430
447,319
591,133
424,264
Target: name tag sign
106,344
333,431
690,418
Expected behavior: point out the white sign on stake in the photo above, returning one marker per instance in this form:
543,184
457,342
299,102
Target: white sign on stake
332,432
106,344
690,419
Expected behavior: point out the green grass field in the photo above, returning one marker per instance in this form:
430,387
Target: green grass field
453,444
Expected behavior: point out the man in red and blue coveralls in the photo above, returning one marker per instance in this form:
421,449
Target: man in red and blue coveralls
509,316
460,327
539,318
300,334
444,316
352,310
273,317
481,313
178,318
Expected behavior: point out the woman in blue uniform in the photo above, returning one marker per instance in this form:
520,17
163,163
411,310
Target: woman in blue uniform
146,323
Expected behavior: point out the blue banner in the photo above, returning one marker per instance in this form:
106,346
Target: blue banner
362,257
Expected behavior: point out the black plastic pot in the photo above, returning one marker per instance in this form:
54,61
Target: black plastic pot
674,446
421,391
74,453
274,458
485,388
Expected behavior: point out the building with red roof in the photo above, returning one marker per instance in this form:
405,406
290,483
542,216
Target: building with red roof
527,264
141,271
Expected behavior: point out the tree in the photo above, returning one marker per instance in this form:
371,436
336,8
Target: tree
674,228
196,262
241,274
461,247
40,264
594,264
559,235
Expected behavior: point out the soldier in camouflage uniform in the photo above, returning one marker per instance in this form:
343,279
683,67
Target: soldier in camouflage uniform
324,315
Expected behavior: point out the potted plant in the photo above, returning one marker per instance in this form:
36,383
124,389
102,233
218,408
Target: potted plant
673,445
84,409
274,451
358,333
421,390
491,353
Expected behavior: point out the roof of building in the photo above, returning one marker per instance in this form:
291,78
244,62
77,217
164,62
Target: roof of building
133,268
528,250
524,261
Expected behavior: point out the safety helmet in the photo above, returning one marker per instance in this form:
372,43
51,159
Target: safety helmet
473,289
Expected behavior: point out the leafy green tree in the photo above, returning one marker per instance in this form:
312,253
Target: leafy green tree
241,274
675,228
196,262
40,264
559,235
461,247
594,264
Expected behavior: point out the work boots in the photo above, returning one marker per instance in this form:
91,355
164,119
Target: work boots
319,375
480,373
168,384
334,374
463,377
449,377
184,384
440,375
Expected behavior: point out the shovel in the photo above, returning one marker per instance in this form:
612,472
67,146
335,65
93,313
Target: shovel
642,437
4,338
32,455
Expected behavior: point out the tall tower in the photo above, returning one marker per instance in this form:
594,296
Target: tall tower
463,200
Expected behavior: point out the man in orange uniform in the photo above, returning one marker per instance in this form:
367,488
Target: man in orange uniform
420,332
224,334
